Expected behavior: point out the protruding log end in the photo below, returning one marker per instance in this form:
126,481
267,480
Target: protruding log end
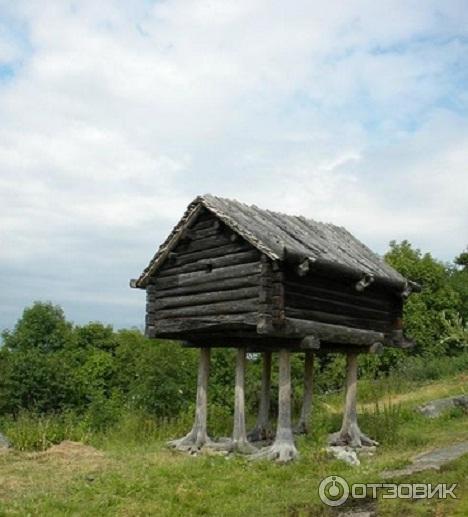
150,331
303,268
397,339
172,257
376,348
364,282
310,343
410,287
264,325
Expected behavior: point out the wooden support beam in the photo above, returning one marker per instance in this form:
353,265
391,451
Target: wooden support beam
240,442
350,434
198,436
283,448
262,429
327,332
172,329
303,424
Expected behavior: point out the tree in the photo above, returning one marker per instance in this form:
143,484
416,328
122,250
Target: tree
462,259
425,313
42,326
459,282
96,335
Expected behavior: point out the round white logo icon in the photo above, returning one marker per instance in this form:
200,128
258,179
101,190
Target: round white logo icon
333,491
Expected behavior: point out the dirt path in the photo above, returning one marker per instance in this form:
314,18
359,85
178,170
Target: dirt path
430,460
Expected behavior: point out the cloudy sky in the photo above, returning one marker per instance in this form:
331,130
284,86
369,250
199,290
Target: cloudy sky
115,114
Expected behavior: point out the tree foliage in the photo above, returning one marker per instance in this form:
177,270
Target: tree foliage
41,327
425,313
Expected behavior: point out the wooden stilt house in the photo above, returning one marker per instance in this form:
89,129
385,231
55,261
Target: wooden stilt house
236,275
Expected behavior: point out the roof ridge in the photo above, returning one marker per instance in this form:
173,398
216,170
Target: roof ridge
253,205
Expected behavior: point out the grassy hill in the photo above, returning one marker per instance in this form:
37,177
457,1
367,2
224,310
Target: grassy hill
128,470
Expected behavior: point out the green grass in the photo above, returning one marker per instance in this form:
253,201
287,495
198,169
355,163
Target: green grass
136,475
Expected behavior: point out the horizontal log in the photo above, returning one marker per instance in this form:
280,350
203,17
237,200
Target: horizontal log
198,235
203,298
326,332
338,319
246,340
155,293
336,348
219,308
200,277
186,258
200,224
313,302
346,286
204,216
176,329
230,259
189,246
331,292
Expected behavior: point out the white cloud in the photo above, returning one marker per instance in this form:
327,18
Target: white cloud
121,112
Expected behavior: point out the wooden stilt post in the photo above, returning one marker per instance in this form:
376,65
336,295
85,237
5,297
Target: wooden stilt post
239,435
198,436
262,429
283,448
306,410
350,434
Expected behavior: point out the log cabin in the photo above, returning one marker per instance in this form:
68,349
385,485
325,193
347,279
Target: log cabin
233,275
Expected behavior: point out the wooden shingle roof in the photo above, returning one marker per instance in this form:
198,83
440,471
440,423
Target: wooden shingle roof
278,235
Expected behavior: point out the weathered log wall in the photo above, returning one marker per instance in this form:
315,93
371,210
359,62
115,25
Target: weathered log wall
210,280
214,283
336,301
